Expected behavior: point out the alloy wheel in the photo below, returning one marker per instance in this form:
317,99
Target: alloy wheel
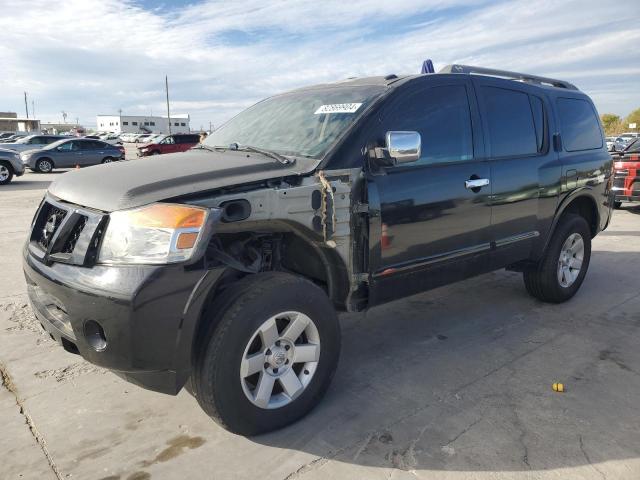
280,360
570,261
4,173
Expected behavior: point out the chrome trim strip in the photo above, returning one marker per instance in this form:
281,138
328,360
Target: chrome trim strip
516,238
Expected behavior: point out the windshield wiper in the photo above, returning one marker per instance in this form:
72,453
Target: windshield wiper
267,153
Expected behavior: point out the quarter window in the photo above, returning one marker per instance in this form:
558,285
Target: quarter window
511,130
579,125
441,116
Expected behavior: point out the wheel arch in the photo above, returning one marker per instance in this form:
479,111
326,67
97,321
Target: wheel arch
7,164
302,256
580,202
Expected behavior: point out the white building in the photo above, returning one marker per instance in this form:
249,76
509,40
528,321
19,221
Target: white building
142,124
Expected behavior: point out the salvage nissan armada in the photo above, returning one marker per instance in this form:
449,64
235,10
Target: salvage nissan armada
223,271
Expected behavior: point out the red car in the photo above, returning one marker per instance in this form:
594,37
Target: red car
180,142
626,181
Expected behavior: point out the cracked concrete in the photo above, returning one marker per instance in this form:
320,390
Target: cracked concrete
450,384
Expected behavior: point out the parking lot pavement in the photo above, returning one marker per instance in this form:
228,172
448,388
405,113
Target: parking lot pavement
453,383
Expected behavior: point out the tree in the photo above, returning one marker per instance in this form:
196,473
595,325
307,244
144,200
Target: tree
611,123
633,117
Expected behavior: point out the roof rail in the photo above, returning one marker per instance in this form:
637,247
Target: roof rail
523,77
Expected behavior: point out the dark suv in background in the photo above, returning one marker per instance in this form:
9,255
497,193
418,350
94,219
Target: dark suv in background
224,270
180,142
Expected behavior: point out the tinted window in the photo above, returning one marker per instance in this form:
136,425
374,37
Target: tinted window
510,123
441,116
579,125
49,140
540,121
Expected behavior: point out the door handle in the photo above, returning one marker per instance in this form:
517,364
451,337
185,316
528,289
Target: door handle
476,183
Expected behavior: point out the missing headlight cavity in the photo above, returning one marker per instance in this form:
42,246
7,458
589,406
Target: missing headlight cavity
235,210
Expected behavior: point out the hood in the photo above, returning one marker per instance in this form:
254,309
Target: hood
133,183
7,150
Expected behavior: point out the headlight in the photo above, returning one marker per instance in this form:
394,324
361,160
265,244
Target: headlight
144,149
155,234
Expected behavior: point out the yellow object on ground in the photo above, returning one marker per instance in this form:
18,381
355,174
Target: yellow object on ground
558,387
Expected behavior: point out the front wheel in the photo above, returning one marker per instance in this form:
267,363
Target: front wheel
559,274
44,165
108,160
6,174
269,355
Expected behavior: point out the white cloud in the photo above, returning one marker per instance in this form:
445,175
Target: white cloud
88,57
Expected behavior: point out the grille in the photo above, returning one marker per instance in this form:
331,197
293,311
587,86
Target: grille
73,237
53,220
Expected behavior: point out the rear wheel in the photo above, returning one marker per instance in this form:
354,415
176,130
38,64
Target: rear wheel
44,165
108,160
617,204
559,274
6,174
270,353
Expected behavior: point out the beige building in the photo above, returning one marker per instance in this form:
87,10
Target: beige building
9,122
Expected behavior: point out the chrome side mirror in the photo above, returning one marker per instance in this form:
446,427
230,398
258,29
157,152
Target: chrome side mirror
403,147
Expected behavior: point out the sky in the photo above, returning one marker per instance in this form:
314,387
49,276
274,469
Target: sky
89,57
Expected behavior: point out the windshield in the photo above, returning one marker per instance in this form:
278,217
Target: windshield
305,123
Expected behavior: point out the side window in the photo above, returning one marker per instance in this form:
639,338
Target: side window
441,116
510,123
49,140
578,124
540,121
167,141
35,140
65,147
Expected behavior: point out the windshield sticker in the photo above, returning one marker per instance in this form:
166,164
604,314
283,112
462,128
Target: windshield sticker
338,108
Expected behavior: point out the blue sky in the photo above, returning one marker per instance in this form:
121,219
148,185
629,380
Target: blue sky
90,57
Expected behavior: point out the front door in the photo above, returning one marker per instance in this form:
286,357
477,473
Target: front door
434,214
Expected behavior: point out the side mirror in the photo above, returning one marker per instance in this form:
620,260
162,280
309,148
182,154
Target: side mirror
404,147
400,147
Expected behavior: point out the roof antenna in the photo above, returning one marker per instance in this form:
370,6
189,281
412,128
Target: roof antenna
427,66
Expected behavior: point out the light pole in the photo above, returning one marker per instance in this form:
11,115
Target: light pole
166,85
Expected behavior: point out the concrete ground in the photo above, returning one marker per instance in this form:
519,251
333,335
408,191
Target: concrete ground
453,383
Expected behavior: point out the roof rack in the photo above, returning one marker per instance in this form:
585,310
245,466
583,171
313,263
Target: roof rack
523,77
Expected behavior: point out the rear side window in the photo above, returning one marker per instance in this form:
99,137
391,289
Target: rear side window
510,123
441,116
579,125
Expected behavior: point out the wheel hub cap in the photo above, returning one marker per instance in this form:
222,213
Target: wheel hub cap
4,173
570,261
280,360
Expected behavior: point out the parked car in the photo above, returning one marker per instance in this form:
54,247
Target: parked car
610,142
111,138
626,182
224,265
4,135
67,153
141,137
180,142
32,141
10,165
622,141
14,137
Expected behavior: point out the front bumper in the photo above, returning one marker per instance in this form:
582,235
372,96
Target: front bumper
148,314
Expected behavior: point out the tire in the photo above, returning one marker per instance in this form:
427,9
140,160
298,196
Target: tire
554,280
44,165
108,160
155,152
238,328
6,173
617,204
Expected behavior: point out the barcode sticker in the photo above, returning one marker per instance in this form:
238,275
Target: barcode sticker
338,108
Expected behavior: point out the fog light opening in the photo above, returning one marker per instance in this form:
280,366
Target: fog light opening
95,336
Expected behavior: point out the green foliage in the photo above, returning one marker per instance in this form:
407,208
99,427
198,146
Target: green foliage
610,122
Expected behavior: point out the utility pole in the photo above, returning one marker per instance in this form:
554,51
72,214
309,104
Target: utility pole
26,107
120,122
33,108
166,85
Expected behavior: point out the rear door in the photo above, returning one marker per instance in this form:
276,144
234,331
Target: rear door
434,224
525,169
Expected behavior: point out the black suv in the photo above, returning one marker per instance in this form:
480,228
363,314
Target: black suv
223,271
